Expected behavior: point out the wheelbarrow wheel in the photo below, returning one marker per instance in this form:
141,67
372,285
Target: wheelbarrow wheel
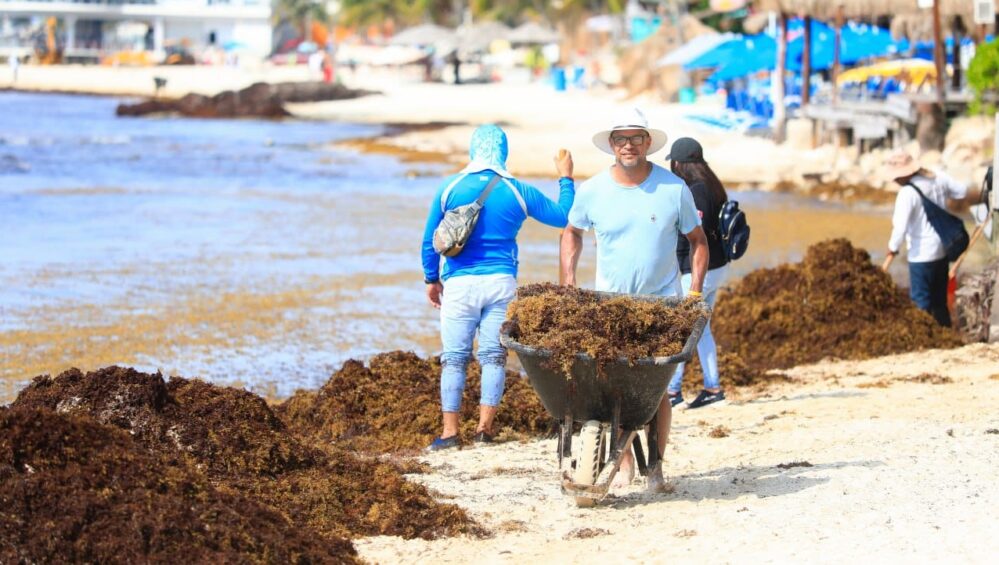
588,461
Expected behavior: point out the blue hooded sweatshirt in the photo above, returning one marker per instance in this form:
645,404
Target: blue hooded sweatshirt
492,247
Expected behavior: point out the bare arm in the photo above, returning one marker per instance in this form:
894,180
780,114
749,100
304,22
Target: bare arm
698,258
570,247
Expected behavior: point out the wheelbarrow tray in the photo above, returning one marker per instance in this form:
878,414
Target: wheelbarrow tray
635,388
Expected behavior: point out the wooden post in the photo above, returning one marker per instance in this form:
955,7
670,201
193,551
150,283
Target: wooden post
806,63
939,55
957,32
780,110
994,204
838,27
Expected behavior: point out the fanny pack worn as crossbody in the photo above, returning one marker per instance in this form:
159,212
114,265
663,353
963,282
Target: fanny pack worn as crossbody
949,227
456,227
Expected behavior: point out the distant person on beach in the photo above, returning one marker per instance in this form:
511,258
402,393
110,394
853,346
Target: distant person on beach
475,287
928,265
315,63
455,62
686,159
636,210
14,64
327,68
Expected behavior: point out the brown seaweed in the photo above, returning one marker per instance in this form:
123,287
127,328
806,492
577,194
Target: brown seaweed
568,321
393,404
233,439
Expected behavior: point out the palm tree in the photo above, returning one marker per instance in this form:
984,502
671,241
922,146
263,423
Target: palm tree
300,11
362,12
448,12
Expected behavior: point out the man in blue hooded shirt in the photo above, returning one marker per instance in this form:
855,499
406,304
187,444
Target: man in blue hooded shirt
475,287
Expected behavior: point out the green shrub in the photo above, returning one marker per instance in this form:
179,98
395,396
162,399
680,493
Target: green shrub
983,76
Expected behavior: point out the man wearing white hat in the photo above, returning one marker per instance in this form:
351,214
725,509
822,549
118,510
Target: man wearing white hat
636,209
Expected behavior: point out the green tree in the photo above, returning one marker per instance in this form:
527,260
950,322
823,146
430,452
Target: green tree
300,11
362,12
449,12
983,76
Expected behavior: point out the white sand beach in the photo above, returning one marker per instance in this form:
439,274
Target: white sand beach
851,461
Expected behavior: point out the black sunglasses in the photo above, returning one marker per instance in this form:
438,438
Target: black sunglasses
620,140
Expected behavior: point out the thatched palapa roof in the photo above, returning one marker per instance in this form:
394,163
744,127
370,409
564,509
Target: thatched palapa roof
908,19
864,9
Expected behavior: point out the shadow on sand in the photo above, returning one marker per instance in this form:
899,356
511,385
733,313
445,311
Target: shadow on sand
830,394
731,483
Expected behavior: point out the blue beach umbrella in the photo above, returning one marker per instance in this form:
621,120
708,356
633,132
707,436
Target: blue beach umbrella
756,53
738,57
857,42
716,56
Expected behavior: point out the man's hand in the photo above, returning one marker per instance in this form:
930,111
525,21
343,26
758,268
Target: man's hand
889,257
434,292
563,163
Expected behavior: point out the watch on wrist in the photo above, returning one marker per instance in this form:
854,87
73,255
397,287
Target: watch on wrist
428,281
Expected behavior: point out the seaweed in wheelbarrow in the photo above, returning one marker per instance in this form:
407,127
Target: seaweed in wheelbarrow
568,321
603,360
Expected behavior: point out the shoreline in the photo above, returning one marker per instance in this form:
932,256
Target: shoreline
433,122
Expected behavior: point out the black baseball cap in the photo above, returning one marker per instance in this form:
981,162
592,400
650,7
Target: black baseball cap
686,150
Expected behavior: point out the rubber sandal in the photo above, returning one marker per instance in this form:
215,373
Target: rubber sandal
440,443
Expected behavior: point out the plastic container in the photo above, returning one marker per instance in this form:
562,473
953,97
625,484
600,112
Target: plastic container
558,79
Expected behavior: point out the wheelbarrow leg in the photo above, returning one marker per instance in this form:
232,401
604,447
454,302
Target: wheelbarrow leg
655,479
565,438
653,435
640,455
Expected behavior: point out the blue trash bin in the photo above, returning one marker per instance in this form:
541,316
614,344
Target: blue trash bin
558,78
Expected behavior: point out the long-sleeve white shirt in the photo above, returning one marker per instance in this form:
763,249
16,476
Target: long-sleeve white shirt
909,219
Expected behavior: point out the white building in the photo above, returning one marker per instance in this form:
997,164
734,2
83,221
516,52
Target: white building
90,28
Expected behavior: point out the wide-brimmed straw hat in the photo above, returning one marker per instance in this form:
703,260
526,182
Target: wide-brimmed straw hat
632,119
900,164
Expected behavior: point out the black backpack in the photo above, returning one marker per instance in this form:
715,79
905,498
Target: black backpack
949,227
734,230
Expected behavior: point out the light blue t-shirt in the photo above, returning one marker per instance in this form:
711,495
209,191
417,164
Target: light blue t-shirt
636,230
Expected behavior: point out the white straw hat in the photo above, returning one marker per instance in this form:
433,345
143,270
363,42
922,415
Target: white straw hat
900,164
632,119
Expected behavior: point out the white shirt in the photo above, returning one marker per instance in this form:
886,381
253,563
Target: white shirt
909,219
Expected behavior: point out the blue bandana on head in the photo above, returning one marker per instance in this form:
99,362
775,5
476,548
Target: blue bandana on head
488,150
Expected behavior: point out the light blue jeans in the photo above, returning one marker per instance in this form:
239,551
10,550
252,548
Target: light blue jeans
470,303
706,349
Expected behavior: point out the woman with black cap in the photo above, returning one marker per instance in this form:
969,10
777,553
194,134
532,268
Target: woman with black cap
686,159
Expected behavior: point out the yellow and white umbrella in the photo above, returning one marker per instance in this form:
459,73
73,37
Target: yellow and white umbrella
915,71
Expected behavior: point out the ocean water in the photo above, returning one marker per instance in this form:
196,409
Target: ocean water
248,252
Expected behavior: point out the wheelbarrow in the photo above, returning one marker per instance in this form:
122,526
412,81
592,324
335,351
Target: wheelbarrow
618,404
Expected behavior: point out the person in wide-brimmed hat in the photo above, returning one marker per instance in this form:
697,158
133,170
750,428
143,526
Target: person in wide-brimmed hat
928,265
636,209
